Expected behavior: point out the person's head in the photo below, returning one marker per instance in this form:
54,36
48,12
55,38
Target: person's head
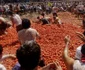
54,17
55,14
10,6
83,53
10,13
38,17
26,23
83,49
28,55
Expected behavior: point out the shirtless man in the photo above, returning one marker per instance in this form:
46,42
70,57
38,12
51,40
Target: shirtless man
27,33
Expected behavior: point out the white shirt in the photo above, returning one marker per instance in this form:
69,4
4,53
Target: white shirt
26,35
59,21
78,65
80,7
16,19
78,53
2,67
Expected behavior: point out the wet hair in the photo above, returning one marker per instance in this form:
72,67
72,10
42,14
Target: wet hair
1,49
28,55
26,23
83,49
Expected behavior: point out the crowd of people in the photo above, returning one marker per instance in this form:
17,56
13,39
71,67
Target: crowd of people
48,7
29,53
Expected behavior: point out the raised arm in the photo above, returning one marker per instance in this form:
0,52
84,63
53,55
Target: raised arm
81,36
67,59
8,56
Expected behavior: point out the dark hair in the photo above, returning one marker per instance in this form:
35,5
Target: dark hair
83,49
10,13
44,21
55,14
29,55
3,25
38,17
84,33
54,17
26,23
1,49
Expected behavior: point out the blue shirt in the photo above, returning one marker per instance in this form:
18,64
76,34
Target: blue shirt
17,67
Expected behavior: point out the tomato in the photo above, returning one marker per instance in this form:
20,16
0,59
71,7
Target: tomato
52,42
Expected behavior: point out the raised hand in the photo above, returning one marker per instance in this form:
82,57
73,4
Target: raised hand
67,39
81,36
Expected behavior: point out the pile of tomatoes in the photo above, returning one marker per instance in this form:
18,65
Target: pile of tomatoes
51,42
